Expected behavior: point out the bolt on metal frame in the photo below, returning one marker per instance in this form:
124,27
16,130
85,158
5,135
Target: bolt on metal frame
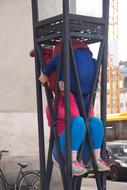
64,27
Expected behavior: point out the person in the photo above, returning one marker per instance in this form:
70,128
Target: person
77,130
47,53
86,67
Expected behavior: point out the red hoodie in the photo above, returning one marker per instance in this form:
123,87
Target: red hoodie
74,112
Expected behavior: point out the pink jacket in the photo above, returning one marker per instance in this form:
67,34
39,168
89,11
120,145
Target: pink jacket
74,112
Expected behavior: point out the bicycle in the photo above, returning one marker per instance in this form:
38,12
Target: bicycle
26,180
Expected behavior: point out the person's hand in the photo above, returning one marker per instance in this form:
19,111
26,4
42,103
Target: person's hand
43,79
61,86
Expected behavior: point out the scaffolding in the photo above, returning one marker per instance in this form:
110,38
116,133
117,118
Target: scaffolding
113,89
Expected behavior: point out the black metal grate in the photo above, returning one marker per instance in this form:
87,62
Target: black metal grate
85,28
62,28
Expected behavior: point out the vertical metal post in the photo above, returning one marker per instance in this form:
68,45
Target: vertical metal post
104,83
66,62
39,102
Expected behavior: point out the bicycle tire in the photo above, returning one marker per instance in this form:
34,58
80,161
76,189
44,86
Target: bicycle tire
30,181
1,185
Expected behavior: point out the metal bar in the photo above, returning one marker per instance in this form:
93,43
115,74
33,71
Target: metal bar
39,102
104,84
53,113
93,41
86,117
82,108
58,18
77,180
66,61
49,162
87,35
73,34
88,19
51,142
49,37
99,61
60,157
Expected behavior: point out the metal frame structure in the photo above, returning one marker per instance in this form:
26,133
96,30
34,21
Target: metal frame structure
46,32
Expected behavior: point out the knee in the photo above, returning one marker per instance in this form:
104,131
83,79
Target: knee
79,123
96,123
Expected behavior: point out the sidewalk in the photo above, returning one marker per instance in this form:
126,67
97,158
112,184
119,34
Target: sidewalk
56,183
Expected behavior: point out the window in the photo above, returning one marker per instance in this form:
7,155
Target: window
125,82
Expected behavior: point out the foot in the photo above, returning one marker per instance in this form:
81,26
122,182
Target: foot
78,168
102,165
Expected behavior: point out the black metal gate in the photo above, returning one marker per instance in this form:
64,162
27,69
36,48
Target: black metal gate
64,27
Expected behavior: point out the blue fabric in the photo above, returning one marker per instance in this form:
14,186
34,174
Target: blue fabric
52,65
86,67
86,70
85,102
97,134
77,134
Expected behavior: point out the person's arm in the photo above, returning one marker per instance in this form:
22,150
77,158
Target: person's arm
49,68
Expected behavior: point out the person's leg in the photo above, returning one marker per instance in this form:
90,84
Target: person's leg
97,134
77,134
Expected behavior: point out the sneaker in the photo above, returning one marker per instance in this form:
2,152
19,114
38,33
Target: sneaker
78,168
102,165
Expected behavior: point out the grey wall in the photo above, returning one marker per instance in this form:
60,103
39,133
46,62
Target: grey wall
17,88
18,119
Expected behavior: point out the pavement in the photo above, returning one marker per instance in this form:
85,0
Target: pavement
88,183
56,182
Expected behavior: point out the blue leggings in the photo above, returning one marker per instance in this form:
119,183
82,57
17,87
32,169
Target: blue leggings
78,130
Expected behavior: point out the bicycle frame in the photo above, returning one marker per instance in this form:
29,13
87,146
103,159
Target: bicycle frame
5,184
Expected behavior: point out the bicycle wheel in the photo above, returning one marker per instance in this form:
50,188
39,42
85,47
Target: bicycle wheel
30,181
1,185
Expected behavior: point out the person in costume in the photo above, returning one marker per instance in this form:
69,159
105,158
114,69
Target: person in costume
86,67
77,130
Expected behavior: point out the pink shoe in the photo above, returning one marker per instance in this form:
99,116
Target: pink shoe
78,168
102,165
